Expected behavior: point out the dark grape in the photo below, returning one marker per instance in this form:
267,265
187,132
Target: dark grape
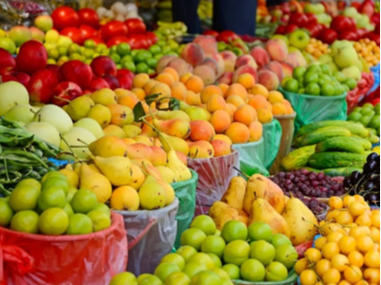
368,185
281,175
354,177
304,171
347,182
320,176
302,178
372,157
312,176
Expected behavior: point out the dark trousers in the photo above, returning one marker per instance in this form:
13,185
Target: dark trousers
238,16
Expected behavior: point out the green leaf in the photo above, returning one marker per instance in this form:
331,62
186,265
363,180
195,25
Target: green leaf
151,98
139,112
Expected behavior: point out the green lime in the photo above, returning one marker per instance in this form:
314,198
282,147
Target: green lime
314,69
151,71
76,56
53,53
357,109
377,108
311,77
368,112
166,49
325,69
53,221
74,48
79,224
161,43
127,58
355,116
351,83
375,122
171,52
313,89
339,89
62,50
298,72
100,47
62,183
89,44
368,106
84,201
105,52
6,213
24,198
151,62
173,44
142,67
327,90
365,120
51,197
291,85
339,76
158,56
134,52
88,53
123,49
114,49
25,222
30,182
154,49
372,131
130,65
302,91
115,57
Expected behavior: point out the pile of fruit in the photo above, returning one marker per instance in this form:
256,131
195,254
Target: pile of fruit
118,11
54,207
369,116
334,147
368,50
317,48
348,250
209,256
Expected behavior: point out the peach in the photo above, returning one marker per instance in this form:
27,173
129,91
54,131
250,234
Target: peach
260,56
192,98
139,92
287,69
296,59
185,77
245,114
201,130
264,116
277,49
245,59
182,157
246,80
221,148
275,97
220,121
173,72
235,100
192,54
226,78
163,62
258,102
208,61
179,65
237,89
224,87
206,73
159,156
201,149
179,91
224,138
245,69
216,102
268,79
279,109
207,43
238,133
259,89
256,131
162,89
140,80
277,68
209,91
220,63
230,60
165,78
230,108
129,100
195,84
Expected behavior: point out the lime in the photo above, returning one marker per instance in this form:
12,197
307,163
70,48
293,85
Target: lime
161,43
253,270
351,83
357,109
134,52
177,278
124,278
279,239
193,237
79,224
113,49
339,89
25,221
70,194
367,111
213,244
260,231
173,44
377,108
216,260
56,182
130,65
88,53
84,201
30,182
375,122
339,76
6,213
234,230
325,69
327,90
123,49
354,116
206,278
100,47
154,49
165,49
62,50
186,252
51,175
89,44
171,52
314,69
73,48
311,77
151,62
291,85
232,270
53,53
302,91
127,58
158,56
51,61
236,252
51,198
76,56
23,198
142,56
204,223
202,258
150,280
53,221
174,258
142,68
105,52
68,209
115,57
103,208
298,72
193,268
100,220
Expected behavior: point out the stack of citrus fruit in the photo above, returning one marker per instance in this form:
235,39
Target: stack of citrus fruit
349,250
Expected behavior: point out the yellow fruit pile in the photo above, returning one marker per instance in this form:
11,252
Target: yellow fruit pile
348,252
317,48
368,50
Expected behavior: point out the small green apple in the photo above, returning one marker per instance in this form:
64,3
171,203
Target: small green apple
262,251
311,77
313,89
327,90
298,72
292,85
299,39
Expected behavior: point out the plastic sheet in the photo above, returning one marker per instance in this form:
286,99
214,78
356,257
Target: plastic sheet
360,93
310,109
287,125
376,74
151,235
251,157
272,134
214,175
29,259
186,193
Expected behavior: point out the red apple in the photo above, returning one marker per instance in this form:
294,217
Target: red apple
367,8
53,67
348,35
7,78
341,23
103,65
41,86
212,33
117,40
64,17
65,90
361,33
98,83
112,29
126,72
32,56
73,33
97,40
112,81
290,28
135,26
328,36
299,19
314,29
88,32
152,37
76,71
7,62
227,36
125,81
88,16
312,19
138,42
21,77
281,30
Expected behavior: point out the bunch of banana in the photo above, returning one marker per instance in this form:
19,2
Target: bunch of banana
169,31
205,10
164,11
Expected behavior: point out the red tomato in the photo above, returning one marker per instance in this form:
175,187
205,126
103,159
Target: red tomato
152,37
88,16
64,17
138,42
117,40
88,31
227,36
212,33
73,33
135,26
342,23
112,29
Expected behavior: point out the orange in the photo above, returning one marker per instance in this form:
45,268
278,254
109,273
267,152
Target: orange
347,244
352,274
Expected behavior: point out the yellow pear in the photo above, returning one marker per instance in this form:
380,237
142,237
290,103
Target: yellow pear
79,107
235,194
125,198
71,175
178,144
114,130
221,213
180,170
262,211
259,186
152,195
176,114
132,131
175,127
116,168
301,220
95,182
108,146
104,96
101,114
137,177
166,173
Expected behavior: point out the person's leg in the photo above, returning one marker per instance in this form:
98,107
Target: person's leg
238,16
186,11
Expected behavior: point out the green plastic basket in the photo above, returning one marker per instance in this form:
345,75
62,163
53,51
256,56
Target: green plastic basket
290,280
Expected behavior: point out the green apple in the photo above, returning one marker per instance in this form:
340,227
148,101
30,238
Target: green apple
311,77
299,39
279,239
20,34
8,45
325,58
350,12
354,116
298,72
262,251
313,89
339,45
292,85
352,72
339,89
276,271
44,23
327,90
286,254
253,270
339,76
345,57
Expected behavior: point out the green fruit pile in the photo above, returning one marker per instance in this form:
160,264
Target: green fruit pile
318,80
208,256
53,207
369,116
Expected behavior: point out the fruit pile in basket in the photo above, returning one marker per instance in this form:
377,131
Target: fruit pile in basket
368,50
